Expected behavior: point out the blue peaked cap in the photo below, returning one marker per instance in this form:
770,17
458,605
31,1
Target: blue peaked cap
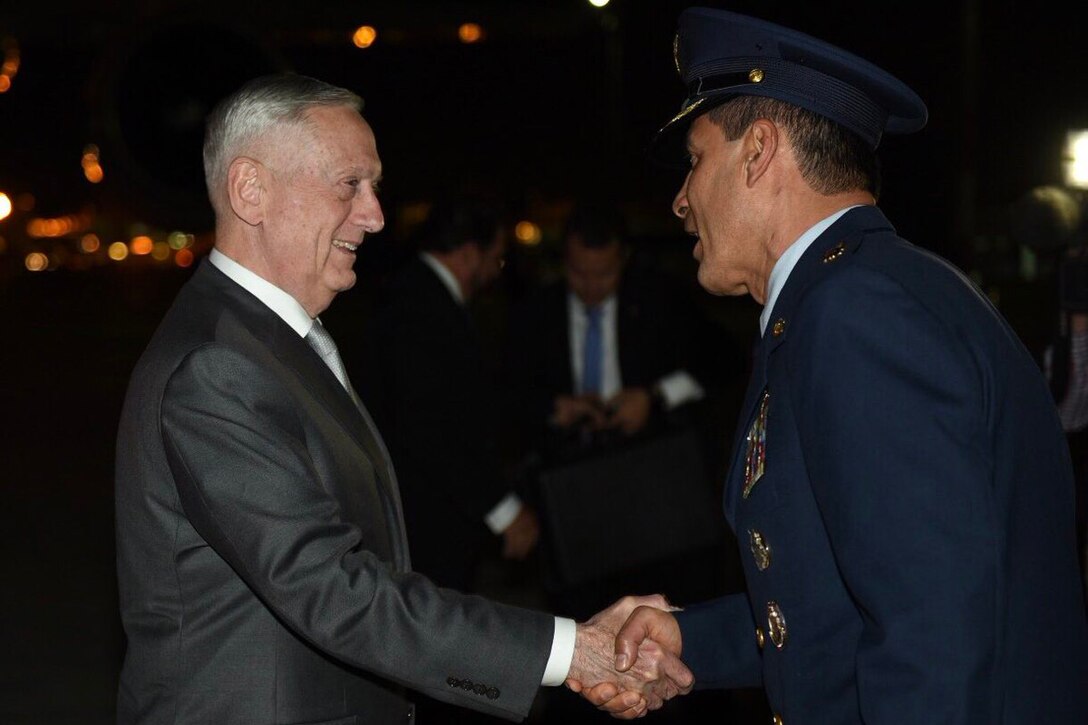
721,55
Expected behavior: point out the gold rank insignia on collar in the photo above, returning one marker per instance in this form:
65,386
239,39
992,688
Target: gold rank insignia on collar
835,252
756,454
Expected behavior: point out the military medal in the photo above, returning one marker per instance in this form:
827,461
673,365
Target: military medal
756,454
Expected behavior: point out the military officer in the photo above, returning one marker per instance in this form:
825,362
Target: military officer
900,482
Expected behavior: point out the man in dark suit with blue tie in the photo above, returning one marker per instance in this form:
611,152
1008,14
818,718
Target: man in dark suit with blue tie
262,561
900,483
607,348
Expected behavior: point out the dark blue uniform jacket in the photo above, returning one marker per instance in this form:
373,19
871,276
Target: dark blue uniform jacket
902,492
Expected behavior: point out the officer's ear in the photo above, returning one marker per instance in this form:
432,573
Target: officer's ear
245,189
760,146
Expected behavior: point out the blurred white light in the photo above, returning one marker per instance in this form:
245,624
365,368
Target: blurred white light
598,3
1075,160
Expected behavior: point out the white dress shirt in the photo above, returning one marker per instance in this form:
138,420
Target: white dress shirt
291,312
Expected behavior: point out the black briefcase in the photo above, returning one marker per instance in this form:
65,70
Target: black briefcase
628,506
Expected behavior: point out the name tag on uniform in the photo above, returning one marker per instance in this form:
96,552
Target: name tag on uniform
755,456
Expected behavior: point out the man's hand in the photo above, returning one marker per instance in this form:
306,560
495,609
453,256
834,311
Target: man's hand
519,538
646,624
630,410
651,670
570,410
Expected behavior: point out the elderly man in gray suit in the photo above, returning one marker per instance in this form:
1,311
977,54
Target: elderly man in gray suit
263,570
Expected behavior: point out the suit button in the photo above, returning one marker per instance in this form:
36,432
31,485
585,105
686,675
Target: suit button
480,689
493,693
453,682
779,327
776,625
761,552
759,637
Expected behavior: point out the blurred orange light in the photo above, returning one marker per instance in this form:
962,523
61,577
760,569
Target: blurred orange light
527,233
36,262
183,258
364,36
90,243
117,251
141,245
470,32
93,172
5,83
5,206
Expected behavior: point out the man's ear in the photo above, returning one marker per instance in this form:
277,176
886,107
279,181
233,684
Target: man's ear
245,189
760,146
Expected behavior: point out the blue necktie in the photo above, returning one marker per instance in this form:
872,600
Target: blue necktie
591,352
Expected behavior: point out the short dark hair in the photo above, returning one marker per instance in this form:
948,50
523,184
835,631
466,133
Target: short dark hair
831,158
597,225
452,224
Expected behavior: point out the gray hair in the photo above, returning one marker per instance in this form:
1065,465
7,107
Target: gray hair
258,106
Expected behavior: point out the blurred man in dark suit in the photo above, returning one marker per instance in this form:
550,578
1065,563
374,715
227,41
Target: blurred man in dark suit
604,350
436,401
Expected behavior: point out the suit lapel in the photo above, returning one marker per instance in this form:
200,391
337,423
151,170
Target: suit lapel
296,354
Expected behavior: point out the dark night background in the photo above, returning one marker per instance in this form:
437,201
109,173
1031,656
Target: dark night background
556,103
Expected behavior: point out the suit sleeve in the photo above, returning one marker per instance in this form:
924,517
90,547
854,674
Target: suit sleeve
891,408
238,452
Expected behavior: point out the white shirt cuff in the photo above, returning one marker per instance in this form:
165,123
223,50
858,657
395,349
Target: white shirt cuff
562,654
504,513
678,388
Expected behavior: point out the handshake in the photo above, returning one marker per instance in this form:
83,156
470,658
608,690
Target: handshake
627,658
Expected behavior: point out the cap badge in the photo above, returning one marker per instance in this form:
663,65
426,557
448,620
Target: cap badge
755,75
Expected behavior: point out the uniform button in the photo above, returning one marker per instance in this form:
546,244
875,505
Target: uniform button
493,693
779,327
453,682
761,552
759,637
480,689
776,625
777,719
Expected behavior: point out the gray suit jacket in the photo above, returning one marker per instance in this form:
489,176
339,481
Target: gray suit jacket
262,563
